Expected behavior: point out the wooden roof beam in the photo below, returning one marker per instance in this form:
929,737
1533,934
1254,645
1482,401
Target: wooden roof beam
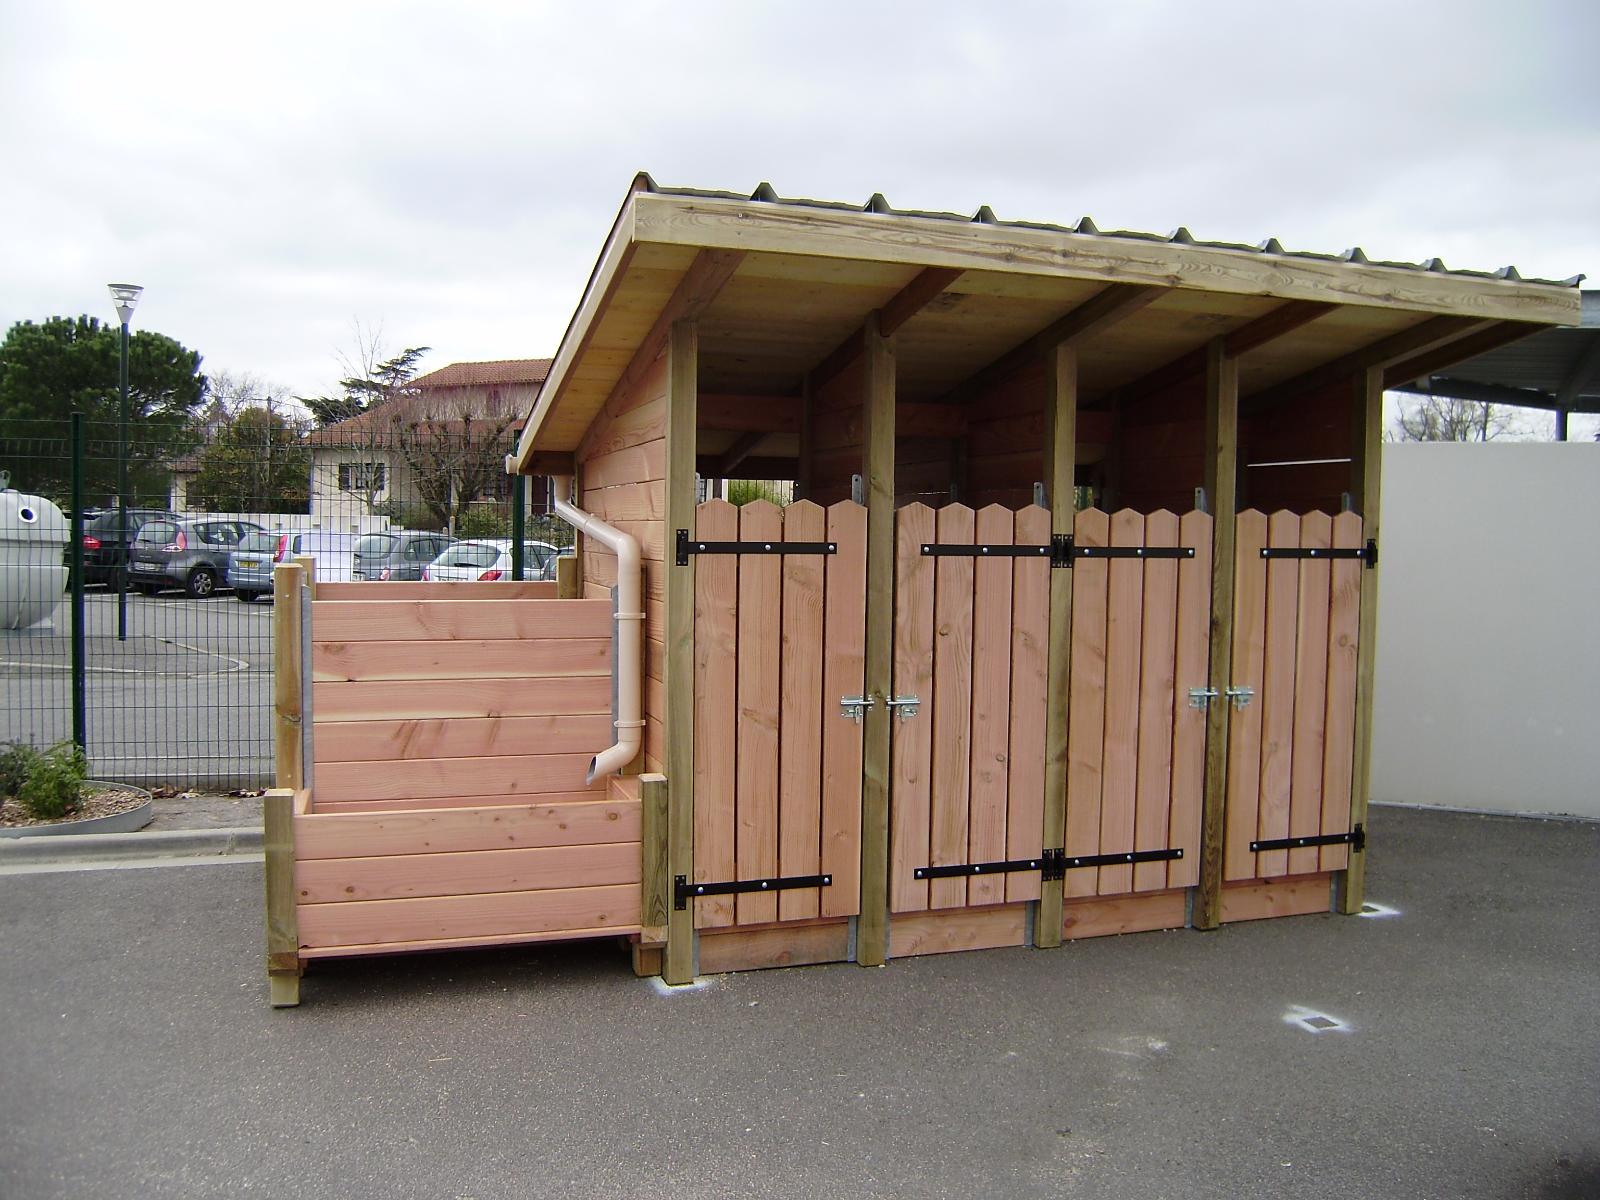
1268,327
1430,335
1105,308
729,460
1422,365
736,413
901,307
754,467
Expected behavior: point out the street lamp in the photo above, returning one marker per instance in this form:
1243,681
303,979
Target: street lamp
125,296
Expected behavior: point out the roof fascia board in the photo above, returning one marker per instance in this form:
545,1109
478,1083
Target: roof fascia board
880,237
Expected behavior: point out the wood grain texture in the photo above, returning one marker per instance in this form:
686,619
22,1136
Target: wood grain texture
800,713
1276,696
949,706
462,620
943,932
844,664
911,794
497,914
784,946
464,737
683,366
421,778
1297,896
436,590
1124,605
431,831
716,630
760,681
394,877
282,928
540,658
1157,707
1310,691
991,704
1087,717
1344,633
1060,377
1099,916
1189,724
288,677
655,885
1030,632
444,698
1244,726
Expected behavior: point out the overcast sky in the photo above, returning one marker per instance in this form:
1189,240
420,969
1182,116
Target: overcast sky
274,173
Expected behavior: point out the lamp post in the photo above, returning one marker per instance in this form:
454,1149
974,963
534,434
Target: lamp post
125,296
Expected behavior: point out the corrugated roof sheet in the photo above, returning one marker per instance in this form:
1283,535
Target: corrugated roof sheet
765,193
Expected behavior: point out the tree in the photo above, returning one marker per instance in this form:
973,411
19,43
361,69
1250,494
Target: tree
257,463
370,379
454,445
1449,419
66,364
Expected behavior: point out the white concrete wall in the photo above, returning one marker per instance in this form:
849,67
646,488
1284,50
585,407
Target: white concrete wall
1488,667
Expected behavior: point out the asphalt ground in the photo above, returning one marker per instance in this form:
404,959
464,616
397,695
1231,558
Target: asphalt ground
142,1059
186,699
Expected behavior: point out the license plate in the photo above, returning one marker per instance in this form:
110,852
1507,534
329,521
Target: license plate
249,563
144,566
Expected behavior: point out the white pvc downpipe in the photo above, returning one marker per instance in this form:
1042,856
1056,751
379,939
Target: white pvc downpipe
630,632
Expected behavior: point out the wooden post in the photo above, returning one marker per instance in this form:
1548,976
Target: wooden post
1221,482
569,581
1366,468
309,565
1060,471
283,932
655,878
872,927
682,381
287,675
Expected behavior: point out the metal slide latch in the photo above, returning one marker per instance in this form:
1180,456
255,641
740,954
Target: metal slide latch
905,707
1202,697
1240,696
855,707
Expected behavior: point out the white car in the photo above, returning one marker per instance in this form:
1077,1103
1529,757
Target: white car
486,560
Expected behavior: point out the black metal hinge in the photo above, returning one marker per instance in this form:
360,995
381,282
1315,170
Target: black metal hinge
1356,839
987,868
683,891
688,546
1367,554
1062,862
1062,551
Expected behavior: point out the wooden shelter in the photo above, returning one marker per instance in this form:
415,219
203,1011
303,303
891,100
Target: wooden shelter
1069,629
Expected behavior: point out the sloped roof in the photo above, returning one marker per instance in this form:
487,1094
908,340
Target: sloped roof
480,374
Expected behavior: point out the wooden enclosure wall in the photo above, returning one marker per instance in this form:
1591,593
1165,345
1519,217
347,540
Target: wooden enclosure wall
971,639
837,414
1005,441
777,766
1136,748
622,469
1296,634
1314,433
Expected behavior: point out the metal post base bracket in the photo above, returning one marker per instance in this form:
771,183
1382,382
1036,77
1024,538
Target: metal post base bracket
683,891
1356,839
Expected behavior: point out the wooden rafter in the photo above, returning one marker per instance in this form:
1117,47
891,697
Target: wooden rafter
1268,327
1105,308
1422,365
728,461
900,308
1430,335
735,413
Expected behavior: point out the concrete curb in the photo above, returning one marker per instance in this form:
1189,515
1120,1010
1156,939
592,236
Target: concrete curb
102,847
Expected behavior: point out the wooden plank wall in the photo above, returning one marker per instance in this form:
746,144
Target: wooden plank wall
622,468
777,768
1006,435
970,642
1136,749
456,702
1296,636
1315,434
836,433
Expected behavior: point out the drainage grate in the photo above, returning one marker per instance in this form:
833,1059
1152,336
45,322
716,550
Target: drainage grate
1321,1022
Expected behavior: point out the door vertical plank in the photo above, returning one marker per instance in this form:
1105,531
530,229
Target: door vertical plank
1087,717
912,741
1189,723
760,667
1030,701
950,711
1277,695
1310,691
716,633
991,704
844,649
1344,631
800,729
1244,726
1124,622
1157,681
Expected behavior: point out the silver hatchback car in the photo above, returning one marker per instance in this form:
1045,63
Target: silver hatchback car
250,567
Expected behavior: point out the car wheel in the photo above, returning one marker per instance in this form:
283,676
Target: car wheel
201,583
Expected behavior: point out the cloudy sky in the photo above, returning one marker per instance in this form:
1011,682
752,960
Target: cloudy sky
275,173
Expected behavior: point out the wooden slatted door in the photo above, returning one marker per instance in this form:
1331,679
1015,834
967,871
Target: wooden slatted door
971,636
1135,744
1291,744
779,640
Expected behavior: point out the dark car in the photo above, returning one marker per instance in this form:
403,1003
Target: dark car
192,555
105,551
398,554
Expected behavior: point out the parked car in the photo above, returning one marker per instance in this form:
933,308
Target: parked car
488,559
397,554
191,554
105,552
549,572
250,566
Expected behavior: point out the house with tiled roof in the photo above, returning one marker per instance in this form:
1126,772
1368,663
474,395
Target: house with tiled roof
427,454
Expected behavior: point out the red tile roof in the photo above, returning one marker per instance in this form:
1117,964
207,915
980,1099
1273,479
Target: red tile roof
477,374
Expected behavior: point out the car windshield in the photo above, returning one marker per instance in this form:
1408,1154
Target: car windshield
259,543
376,545
157,533
470,554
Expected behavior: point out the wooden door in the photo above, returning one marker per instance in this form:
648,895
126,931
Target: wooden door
779,640
1141,613
971,637
1291,739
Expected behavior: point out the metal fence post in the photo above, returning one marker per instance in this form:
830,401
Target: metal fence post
519,503
80,701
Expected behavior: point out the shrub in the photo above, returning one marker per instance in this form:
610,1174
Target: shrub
16,764
483,523
54,784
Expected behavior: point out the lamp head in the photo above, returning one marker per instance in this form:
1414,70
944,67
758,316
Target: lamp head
125,296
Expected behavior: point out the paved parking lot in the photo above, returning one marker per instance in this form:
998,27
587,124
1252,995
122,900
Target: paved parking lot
186,699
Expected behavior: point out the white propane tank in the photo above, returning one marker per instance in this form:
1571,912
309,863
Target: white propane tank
33,573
